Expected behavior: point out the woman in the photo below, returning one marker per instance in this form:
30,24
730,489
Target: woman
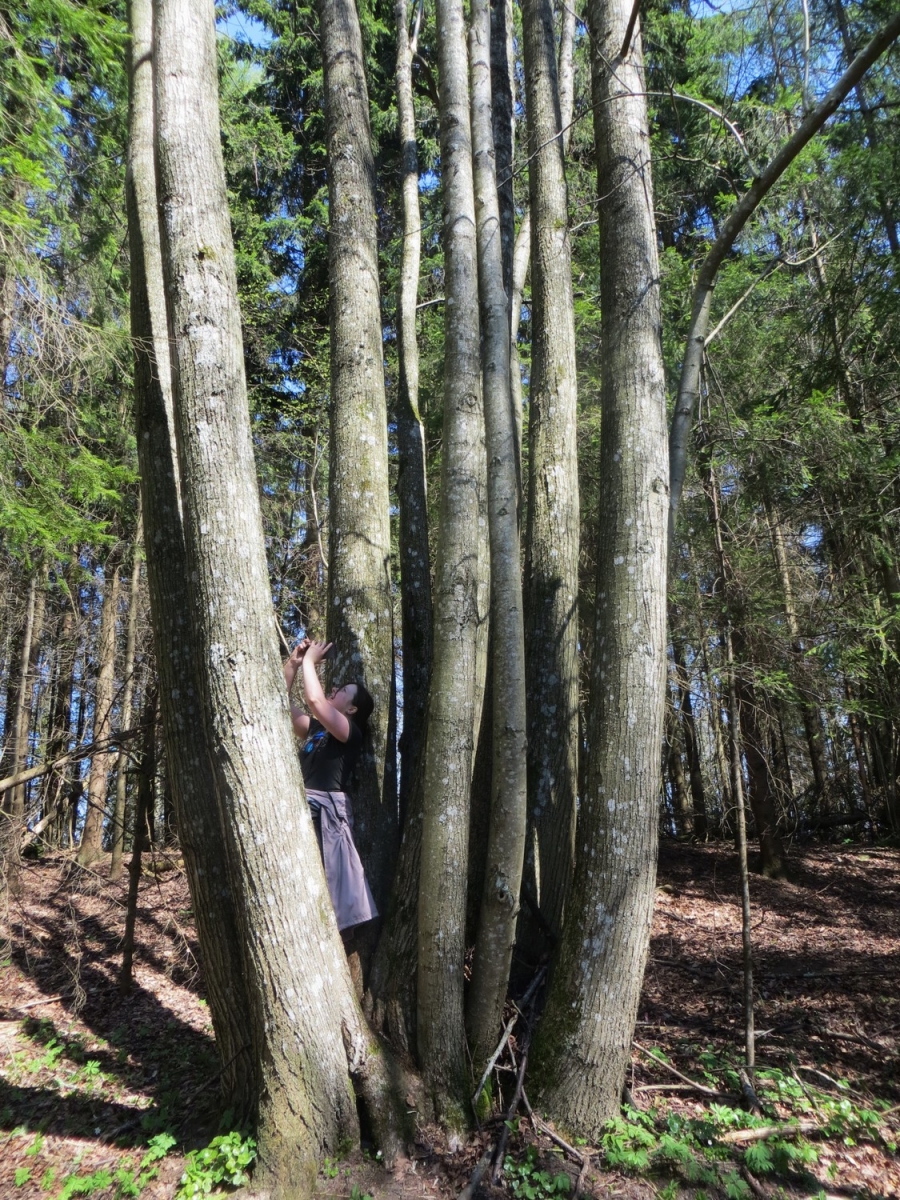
332,743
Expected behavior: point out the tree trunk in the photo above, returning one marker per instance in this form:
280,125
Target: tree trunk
681,803
691,743
812,723
522,249
188,747
502,117
60,722
735,724
360,606
508,810
140,843
118,832
551,540
412,496
584,1041
91,847
771,847
14,802
308,1028
454,702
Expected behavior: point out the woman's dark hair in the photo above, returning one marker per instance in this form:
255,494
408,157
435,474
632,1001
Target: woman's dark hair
364,705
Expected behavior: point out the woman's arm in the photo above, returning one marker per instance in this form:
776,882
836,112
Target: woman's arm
332,718
299,718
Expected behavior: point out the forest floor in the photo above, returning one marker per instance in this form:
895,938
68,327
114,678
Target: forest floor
88,1078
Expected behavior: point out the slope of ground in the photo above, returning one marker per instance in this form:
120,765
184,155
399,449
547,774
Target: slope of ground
88,1076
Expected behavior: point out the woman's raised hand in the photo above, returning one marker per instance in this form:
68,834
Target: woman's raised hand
316,650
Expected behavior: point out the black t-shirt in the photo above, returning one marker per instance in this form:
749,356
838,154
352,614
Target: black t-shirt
327,763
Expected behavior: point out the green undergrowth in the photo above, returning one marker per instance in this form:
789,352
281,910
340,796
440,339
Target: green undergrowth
701,1151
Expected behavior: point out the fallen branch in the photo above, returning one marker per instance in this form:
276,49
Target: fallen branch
828,1079
554,1137
698,1087
861,1039
755,1186
526,999
681,1087
492,1061
763,1132
35,1003
582,1174
480,1167
517,1094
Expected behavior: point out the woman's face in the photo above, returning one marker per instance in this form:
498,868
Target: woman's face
343,698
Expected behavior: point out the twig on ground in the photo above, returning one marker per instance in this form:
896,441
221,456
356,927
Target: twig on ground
582,1175
35,1003
763,1132
755,1186
859,1038
680,1087
552,1134
706,1091
480,1167
806,1093
511,1111
828,1079
493,1059
520,1009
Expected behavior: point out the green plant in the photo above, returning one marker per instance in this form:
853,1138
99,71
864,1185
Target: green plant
330,1169
23,1174
84,1185
224,1160
356,1193
126,1180
527,1180
35,1148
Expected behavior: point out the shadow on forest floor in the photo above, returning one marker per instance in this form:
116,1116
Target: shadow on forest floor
86,1073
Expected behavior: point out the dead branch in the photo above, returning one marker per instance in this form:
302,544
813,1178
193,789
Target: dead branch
480,1167
737,1137
100,747
554,1137
698,1087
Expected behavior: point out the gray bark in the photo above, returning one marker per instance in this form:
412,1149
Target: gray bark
584,1042
91,846
552,535
691,742
307,1025
689,383
503,127
522,250
412,495
360,606
508,810
454,702
188,749
118,831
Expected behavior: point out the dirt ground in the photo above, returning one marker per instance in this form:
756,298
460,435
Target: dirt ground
88,1076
